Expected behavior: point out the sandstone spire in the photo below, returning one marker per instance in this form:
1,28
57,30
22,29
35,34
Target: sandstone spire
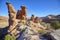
12,17
21,14
11,11
32,18
36,19
10,8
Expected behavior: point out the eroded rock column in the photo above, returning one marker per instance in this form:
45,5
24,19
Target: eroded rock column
24,16
32,18
12,17
36,20
21,14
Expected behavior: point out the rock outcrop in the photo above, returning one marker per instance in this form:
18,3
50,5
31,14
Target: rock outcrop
29,34
32,18
30,31
23,29
36,19
12,17
21,14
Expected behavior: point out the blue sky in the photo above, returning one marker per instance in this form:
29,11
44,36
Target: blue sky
39,8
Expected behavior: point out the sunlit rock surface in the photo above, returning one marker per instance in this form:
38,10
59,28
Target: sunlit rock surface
12,18
29,34
21,14
56,34
23,29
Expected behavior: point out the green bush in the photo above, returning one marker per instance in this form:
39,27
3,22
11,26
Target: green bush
41,31
9,37
55,24
21,29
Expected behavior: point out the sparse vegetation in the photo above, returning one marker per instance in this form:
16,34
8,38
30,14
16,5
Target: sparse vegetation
3,24
3,21
41,31
9,37
46,25
55,24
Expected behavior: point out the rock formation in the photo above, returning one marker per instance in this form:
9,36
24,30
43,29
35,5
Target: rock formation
12,12
23,30
32,18
12,17
21,14
28,34
36,20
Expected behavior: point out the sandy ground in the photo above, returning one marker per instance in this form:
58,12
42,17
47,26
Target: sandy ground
3,24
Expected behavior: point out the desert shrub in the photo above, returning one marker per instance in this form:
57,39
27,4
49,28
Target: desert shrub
42,23
47,25
9,37
21,29
41,31
55,24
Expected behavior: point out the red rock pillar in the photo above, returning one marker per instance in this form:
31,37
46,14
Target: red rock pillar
21,14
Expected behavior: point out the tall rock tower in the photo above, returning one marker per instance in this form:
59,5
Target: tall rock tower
36,20
12,17
32,18
21,14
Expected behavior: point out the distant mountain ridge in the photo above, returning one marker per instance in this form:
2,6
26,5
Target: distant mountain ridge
50,18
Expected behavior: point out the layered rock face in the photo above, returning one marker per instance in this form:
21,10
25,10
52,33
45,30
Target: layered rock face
21,14
12,17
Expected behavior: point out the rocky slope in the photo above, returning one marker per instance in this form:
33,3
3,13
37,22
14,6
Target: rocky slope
28,30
